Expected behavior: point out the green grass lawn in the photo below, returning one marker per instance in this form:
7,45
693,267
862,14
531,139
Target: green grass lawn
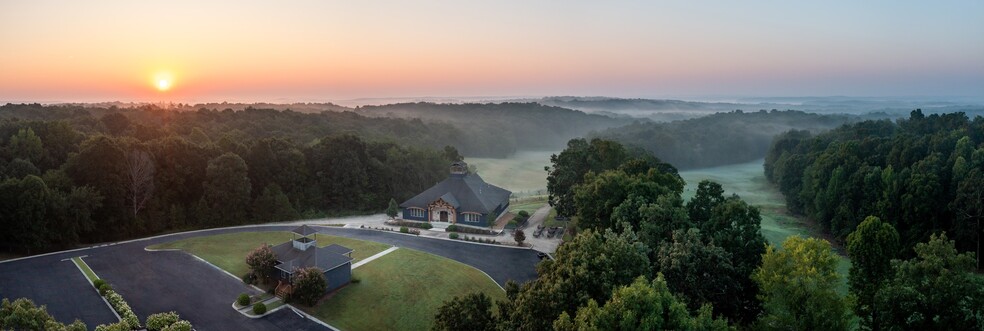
529,206
401,291
521,173
748,181
228,251
89,274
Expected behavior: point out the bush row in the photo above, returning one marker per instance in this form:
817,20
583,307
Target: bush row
421,225
465,229
475,239
404,229
123,309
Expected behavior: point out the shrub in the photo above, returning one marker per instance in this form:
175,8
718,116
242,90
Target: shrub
123,309
22,314
451,228
180,325
249,278
309,285
453,235
159,321
524,214
259,308
404,229
243,300
98,283
104,288
121,326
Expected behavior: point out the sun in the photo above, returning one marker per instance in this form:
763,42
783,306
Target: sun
163,84
162,81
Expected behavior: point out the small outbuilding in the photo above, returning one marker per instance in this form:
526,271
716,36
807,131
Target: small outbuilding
303,252
462,198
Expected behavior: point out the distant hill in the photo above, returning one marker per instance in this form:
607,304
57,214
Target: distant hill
508,126
722,138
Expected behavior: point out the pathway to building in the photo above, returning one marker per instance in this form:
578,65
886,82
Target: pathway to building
376,256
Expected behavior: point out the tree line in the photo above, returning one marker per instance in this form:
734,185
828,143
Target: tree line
923,175
646,260
71,177
719,139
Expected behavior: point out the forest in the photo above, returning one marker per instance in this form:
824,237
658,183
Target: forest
75,175
719,139
643,259
922,174
500,129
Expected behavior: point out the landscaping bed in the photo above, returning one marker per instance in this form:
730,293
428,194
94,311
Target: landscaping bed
465,229
412,224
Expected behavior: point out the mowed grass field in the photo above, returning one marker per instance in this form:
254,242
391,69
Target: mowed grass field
402,290
522,173
228,251
748,181
398,291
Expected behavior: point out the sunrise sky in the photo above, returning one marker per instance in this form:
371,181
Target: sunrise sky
61,51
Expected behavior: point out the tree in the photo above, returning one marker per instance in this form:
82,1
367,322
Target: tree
640,306
115,123
261,261
936,290
24,213
588,267
139,178
393,209
798,287
871,247
709,195
309,285
227,190
598,196
22,314
273,206
470,312
519,237
701,273
26,145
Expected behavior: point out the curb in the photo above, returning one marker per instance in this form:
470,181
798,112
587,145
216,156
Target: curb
94,287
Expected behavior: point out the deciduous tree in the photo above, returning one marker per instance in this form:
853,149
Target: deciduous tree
798,287
871,247
640,306
469,312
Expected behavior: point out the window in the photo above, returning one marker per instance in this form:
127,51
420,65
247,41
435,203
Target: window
472,217
416,212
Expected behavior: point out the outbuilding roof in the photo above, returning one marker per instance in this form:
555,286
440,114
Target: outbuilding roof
304,230
326,258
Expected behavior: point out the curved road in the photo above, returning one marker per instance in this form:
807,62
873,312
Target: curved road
155,282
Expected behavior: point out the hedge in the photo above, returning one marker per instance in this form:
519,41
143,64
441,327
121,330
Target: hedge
123,309
453,235
465,229
160,321
420,225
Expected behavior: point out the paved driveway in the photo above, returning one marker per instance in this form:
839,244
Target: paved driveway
163,281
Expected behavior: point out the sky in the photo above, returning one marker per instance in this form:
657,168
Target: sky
208,51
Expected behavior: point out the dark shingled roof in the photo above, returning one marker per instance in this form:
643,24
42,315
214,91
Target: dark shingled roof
304,230
327,257
467,193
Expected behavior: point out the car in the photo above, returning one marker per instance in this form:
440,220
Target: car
541,255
